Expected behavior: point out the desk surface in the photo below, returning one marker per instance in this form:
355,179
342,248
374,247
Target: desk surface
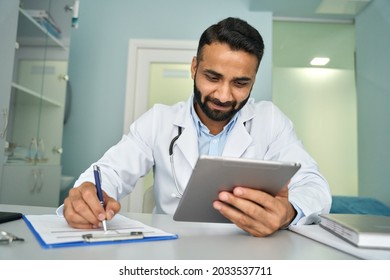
197,241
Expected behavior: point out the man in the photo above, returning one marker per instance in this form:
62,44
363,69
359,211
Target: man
219,119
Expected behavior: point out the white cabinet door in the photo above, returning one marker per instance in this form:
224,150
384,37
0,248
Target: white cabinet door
31,185
9,19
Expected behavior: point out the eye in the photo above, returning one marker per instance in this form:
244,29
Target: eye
211,78
241,84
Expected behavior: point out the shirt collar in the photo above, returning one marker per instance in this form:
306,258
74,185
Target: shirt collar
200,127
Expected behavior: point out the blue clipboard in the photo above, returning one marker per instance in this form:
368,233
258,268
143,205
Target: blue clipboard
99,239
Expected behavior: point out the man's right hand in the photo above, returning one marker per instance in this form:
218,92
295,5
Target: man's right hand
82,208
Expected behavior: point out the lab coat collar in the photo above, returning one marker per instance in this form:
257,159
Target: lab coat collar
238,140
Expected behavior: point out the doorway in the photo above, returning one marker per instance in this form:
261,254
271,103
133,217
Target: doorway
158,72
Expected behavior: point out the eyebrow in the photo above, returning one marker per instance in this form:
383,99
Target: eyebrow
219,75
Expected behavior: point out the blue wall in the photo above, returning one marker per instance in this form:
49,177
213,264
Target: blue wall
373,96
98,62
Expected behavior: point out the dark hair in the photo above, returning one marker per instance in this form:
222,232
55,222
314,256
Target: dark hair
235,32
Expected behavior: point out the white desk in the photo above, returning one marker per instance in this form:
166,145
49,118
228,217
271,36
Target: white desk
197,241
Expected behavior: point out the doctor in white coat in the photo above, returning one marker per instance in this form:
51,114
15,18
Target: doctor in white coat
220,118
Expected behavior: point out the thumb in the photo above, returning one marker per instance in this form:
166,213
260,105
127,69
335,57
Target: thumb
283,192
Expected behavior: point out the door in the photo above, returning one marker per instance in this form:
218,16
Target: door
155,68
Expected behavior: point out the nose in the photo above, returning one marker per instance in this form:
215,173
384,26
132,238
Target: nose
223,92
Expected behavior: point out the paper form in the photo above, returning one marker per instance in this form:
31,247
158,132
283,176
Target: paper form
53,229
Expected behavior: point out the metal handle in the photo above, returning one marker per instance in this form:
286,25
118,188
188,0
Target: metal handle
41,180
64,77
5,114
57,150
35,181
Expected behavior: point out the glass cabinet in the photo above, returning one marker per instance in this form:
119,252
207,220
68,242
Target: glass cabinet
31,168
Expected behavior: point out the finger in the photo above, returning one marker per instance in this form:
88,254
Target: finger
243,212
259,213
80,204
224,206
283,192
278,211
242,204
79,222
112,207
241,220
260,198
73,218
276,208
90,199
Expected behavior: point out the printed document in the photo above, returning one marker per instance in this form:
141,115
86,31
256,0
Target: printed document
54,230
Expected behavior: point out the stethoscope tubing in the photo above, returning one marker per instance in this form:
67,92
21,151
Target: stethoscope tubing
171,145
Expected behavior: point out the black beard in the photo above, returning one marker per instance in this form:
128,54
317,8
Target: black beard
217,115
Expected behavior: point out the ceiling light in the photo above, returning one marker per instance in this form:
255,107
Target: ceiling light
319,61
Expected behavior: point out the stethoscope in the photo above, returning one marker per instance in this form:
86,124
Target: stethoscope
179,193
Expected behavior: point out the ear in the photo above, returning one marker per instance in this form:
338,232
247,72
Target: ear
194,65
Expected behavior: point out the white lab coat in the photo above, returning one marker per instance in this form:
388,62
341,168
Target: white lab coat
262,131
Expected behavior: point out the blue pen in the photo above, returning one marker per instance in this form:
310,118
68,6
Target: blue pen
98,181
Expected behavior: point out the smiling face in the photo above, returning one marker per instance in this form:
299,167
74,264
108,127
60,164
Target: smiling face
223,79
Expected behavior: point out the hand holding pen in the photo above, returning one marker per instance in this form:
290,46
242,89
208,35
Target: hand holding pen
81,209
98,181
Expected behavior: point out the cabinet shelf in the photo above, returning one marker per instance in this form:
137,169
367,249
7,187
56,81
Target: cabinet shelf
34,96
24,162
33,34
36,93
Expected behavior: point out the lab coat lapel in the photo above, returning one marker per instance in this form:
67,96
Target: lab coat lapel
187,143
239,139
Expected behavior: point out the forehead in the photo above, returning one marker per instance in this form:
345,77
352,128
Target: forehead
222,57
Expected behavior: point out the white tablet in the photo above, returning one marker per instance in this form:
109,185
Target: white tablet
212,175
